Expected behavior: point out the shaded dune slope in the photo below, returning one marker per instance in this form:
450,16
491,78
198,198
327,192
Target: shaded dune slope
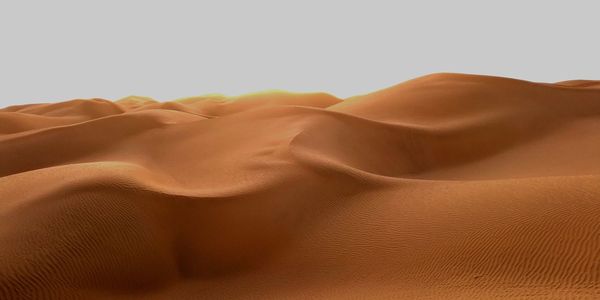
447,185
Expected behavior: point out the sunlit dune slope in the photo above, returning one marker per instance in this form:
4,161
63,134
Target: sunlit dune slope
444,186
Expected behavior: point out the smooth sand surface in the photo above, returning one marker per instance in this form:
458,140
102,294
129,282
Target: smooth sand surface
444,186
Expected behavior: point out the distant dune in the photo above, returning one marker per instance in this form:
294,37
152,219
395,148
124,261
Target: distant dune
444,186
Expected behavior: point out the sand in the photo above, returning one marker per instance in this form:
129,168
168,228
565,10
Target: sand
444,186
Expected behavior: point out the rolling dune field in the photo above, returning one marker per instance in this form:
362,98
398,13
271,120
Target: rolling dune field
441,187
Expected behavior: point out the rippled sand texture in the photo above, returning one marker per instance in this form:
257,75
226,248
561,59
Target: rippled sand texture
444,186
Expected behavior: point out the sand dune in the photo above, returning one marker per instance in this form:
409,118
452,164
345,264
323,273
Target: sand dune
444,186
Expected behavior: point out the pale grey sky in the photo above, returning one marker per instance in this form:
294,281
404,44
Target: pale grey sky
60,50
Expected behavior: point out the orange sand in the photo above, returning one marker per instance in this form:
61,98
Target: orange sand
444,186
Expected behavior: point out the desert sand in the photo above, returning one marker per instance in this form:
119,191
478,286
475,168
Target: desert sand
445,186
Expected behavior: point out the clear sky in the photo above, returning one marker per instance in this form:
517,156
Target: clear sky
60,50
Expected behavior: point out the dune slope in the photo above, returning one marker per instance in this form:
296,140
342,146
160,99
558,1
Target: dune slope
444,186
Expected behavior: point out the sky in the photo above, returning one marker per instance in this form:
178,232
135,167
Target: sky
60,50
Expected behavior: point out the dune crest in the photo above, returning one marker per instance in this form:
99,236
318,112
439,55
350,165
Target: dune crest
444,186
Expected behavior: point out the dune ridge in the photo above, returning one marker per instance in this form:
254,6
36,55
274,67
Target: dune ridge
444,186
